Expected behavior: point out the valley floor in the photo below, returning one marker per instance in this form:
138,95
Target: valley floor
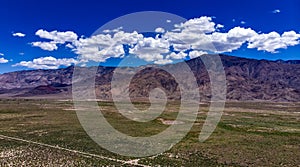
48,133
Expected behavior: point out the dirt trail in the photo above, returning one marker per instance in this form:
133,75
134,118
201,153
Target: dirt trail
133,162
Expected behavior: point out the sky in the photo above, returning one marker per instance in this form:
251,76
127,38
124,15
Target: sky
55,34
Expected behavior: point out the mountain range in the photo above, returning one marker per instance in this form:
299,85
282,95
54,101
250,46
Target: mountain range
247,80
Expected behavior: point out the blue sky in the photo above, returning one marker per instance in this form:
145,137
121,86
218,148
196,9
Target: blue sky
84,17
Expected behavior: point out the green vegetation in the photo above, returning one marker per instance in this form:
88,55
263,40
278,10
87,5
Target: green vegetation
249,134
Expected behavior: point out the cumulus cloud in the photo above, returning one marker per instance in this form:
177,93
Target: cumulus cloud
181,40
276,11
103,46
3,60
19,34
199,34
47,63
113,30
49,46
163,61
290,38
232,40
70,46
202,24
218,26
150,49
214,42
240,34
196,53
243,22
55,38
159,30
196,37
1,54
273,41
179,55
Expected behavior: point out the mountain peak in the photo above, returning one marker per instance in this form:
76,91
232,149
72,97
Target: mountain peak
247,79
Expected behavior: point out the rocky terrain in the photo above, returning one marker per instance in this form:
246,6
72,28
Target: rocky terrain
247,80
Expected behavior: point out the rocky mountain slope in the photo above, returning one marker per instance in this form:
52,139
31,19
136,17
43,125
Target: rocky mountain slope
247,79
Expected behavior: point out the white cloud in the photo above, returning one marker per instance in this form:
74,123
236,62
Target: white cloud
232,40
240,34
276,11
127,38
70,46
180,40
203,24
194,34
113,30
21,53
150,49
218,26
201,35
196,53
1,54
57,37
215,42
185,40
179,55
243,22
221,44
197,34
3,60
159,30
103,46
290,38
19,34
151,57
49,46
168,21
272,41
47,63
163,61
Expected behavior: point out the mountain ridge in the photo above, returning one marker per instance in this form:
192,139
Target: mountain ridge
247,80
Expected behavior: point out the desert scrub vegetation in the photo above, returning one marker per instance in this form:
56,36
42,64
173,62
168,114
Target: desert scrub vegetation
249,134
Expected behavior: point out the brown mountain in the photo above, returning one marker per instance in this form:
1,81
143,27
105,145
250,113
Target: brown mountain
247,79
